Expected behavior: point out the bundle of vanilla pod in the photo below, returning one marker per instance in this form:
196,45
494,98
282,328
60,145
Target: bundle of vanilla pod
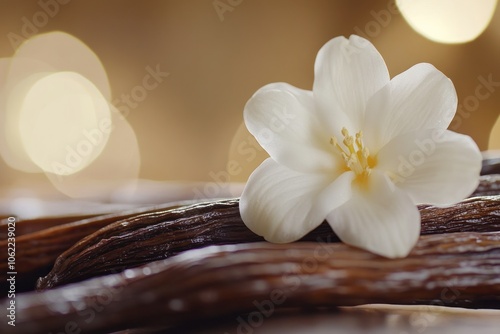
162,267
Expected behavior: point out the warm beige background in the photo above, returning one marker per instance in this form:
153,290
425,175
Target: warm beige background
186,126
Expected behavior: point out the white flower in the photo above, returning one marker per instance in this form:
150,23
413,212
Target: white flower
359,150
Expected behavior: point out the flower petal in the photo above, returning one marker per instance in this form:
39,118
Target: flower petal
347,73
282,205
419,98
379,218
432,166
283,120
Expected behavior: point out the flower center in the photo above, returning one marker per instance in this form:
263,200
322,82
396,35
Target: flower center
355,154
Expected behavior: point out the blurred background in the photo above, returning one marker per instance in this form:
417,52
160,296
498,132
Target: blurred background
214,54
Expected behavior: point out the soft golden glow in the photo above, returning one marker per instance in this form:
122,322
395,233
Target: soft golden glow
448,21
11,148
115,170
494,142
39,56
64,123
58,119
59,51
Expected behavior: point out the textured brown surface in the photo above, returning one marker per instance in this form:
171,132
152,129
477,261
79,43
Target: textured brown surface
40,241
220,284
460,269
160,234
28,226
380,318
488,185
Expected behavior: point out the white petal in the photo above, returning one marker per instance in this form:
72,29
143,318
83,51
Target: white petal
419,98
432,166
283,120
282,205
379,218
347,73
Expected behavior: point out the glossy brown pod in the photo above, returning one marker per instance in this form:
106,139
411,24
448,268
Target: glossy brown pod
40,241
456,269
158,235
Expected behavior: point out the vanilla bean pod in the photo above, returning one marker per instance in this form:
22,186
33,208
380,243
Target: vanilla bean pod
37,247
27,226
158,235
456,269
491,165
489,185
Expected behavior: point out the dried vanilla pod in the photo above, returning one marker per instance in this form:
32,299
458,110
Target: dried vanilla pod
475,214
158,235
491,165
489,185
36,251
38,248
224,280
148,237
27,226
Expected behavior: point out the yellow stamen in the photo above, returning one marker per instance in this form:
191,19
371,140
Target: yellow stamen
356,156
